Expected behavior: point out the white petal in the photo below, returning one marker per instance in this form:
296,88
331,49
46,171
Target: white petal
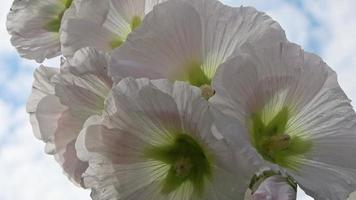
64,142
89,61
313,176
122,13
128,9
92,10
42,86
48,112
83,83
172,32
79,33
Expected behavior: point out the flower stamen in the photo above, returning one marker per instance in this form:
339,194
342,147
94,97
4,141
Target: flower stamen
278,142
183,166
207,91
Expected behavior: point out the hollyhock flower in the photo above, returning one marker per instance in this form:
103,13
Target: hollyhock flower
62,100
106,27
34,26
158,142
187,40
297,119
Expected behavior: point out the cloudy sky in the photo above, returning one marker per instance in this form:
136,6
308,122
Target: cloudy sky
325,27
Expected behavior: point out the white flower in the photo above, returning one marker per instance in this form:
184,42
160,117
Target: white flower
61,102
188,39
103,24
34,27
158,143
295,114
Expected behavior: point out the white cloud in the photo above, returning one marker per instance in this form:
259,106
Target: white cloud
4,37
4,119
284,13
26,172
339,48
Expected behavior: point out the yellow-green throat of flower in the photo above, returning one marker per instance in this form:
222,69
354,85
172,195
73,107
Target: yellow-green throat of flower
54,25
188,161
272,142
119,40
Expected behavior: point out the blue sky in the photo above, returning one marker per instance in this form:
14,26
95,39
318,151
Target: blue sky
324,27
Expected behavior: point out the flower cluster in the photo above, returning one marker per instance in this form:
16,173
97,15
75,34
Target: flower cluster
183,100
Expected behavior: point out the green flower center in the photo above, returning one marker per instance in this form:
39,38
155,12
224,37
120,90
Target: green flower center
55,24
196,75
119,40
187,160
272,142
116,42
135,22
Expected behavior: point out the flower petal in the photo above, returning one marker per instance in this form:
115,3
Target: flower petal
78,33
172,32
48,112
64,142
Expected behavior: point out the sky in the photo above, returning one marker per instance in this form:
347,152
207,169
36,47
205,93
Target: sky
324,27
